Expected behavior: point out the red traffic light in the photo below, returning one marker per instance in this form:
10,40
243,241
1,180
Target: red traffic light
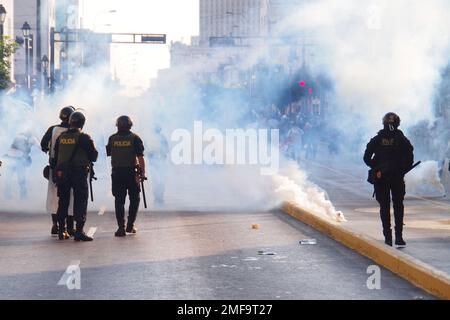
310,90
302,83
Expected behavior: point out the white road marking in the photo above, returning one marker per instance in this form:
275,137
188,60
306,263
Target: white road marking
91,232
102,210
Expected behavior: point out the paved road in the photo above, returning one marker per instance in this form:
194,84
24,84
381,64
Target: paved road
187,255
427,219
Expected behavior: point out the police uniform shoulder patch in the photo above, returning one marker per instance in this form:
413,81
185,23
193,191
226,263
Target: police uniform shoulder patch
387,142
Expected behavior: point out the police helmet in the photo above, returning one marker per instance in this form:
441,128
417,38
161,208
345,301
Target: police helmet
391,120
66,112
77,120
124,123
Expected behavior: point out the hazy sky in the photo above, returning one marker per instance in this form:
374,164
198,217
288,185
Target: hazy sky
137,64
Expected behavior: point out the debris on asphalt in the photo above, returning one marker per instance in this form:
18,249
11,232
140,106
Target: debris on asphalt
266,253
308,241
255,226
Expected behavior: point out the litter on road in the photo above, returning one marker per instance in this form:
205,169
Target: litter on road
308,241
266,253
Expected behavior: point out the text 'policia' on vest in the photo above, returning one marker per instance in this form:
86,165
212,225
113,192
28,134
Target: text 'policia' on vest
67,143
123,150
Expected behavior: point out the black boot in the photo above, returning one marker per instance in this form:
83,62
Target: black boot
79,233
399,242
81,236
131,229
120,232
70,229
388,237
62,234
54,231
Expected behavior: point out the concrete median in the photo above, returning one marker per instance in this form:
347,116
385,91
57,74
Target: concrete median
415,271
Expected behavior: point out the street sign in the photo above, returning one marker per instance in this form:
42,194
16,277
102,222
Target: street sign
84,35
154,38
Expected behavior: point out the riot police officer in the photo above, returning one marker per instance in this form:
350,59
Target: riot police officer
75,152
48,145
390,156
126,150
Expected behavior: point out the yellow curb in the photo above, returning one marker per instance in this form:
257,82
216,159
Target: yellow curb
420,274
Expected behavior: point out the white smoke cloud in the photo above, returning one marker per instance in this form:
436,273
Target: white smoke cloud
382,55
188,187
424,180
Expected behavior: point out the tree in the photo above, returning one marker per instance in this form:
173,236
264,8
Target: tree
7,49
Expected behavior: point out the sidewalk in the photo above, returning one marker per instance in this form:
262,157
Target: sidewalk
427,220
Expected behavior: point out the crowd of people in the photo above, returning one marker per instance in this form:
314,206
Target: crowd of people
302,126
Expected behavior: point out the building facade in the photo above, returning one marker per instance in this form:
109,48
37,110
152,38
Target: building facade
40,16
232,18
231,29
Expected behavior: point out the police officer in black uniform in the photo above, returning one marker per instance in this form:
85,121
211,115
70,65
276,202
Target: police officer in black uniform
76,151
390,156
64,115
47,143
126,150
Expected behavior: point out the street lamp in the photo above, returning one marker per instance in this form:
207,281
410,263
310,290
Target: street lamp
63,54
63,64
45,63
2,19
26,29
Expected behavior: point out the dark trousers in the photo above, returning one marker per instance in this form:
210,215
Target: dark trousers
77,181
123,182
383,191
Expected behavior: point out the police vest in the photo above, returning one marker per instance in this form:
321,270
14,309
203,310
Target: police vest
122,151
67,142
57,130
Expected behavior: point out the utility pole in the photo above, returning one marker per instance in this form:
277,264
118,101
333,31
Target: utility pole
52,60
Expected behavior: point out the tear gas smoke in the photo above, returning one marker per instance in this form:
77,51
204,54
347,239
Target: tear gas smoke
188,187
378,56
381,56
424,180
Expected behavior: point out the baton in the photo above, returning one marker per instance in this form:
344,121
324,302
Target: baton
91,177
415,165
143,191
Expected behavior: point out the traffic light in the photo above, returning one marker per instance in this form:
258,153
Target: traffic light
302,83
